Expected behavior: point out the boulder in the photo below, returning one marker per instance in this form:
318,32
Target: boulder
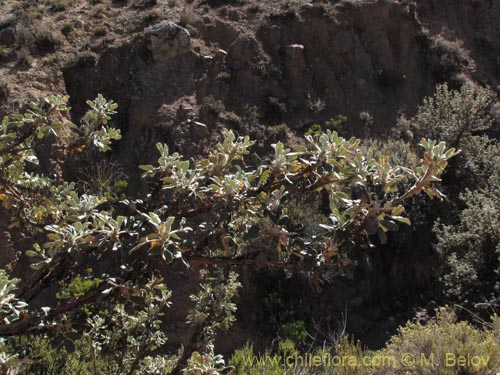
167,40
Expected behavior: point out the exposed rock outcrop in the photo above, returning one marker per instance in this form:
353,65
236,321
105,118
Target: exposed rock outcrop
167,40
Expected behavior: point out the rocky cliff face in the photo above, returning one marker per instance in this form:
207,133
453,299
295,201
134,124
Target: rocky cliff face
471,26
243,68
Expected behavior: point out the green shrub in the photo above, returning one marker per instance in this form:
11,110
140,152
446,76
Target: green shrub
315,129
24,57
100,11
67,28
347,357
467,236
335,124
59,5
187,17
437,345
104,179
397,151
4,50
44,36
246,362
444,58
100,30
78,287
72,355
153,16
471,249
454,115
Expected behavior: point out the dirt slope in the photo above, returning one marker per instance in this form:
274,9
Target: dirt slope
244,64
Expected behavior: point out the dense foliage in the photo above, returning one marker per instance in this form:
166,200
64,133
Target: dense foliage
431,349
101,256
468,236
